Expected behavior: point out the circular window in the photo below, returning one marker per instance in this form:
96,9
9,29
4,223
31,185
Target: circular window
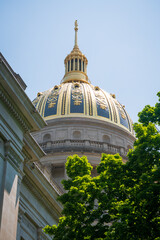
56,87
76,85
97,88
39,94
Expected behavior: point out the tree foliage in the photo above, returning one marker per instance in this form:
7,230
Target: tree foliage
123,201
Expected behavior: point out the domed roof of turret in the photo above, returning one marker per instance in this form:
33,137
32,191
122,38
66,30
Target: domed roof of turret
76,97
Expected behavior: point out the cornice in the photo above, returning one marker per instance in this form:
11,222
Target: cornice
13,86
14,110
16,76
32,149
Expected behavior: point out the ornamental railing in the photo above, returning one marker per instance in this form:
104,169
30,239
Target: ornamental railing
82,146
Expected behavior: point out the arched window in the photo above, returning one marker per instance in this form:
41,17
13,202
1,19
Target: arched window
77,134
75,63
46,137
83,66
72,65
79,64
106,139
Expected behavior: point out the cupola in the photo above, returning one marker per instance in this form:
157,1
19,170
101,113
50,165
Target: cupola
75,63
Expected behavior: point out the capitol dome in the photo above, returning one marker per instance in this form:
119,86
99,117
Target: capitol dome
77,97
81,118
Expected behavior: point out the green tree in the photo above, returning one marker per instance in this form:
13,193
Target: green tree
123,201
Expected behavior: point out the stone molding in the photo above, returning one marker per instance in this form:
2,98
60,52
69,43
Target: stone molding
13,83
14,111
32,149
17,76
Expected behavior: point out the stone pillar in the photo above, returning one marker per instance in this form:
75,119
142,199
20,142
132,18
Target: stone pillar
78,64
70,65
67,67
105,146
20,216
74,64
9,192
87,143
82,65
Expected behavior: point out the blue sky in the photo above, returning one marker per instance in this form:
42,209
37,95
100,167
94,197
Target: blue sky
121,40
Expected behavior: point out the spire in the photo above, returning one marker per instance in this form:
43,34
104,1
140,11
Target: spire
76,30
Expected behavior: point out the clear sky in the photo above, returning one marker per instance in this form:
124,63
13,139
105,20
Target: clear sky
120,38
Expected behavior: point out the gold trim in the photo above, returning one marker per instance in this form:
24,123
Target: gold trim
68,98
112,109
60,100
85,100
43,106
116,109
120,108
75,71
75,80
108,103
63,103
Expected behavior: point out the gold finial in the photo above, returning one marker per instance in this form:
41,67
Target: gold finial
76,26
76,30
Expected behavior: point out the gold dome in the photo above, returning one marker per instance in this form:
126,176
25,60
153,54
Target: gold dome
77,97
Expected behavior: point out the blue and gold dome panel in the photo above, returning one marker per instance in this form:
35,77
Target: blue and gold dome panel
80,99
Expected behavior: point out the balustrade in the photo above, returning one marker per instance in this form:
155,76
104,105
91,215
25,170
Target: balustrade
82,145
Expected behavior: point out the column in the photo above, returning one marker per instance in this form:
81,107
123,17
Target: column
10,187
20,216
82,65
65,67
74,64
69,65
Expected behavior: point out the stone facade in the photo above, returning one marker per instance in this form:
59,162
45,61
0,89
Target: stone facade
27,196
